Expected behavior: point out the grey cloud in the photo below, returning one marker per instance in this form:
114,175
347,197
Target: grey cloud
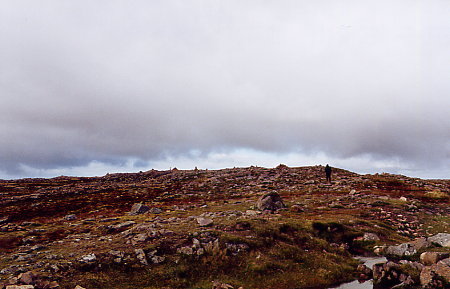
108,81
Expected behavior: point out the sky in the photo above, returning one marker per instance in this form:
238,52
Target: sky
95,87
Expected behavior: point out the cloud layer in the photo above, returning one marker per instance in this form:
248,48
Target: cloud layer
110,81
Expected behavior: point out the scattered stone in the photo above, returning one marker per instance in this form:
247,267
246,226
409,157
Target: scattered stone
220,285
139,208
90,258
370,237
270,202
140,255
155,210
236,248
297,208
4,220
121,226
251,213
158,259
365,272
185,250
70,217
53,285
27,278
204,222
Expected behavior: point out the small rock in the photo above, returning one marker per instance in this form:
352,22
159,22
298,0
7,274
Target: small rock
204,222
139,208
371,237
405,249
27,278
429,258
4,220
420,243
19,287
121,226
140,255
251,213
155,210
53,285
79,287
185,250
220,285
297,208
90,258
158,259
70,217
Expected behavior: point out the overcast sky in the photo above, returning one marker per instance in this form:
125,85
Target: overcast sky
90,87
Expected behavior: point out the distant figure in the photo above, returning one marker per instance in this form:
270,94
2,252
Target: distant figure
328,173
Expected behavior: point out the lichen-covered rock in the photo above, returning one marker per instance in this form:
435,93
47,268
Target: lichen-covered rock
442,239
401,250
270,202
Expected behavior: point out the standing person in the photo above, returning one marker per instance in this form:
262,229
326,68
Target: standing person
328,173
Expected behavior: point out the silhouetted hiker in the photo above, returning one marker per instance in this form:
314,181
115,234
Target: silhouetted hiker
328,173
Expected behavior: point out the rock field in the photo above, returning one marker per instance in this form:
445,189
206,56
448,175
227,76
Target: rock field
233,228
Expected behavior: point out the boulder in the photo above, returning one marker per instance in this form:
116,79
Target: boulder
79,287
270,202
442,239
431,274
401,250
139,208
430,258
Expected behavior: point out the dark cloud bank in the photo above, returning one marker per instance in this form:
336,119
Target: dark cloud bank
114,81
